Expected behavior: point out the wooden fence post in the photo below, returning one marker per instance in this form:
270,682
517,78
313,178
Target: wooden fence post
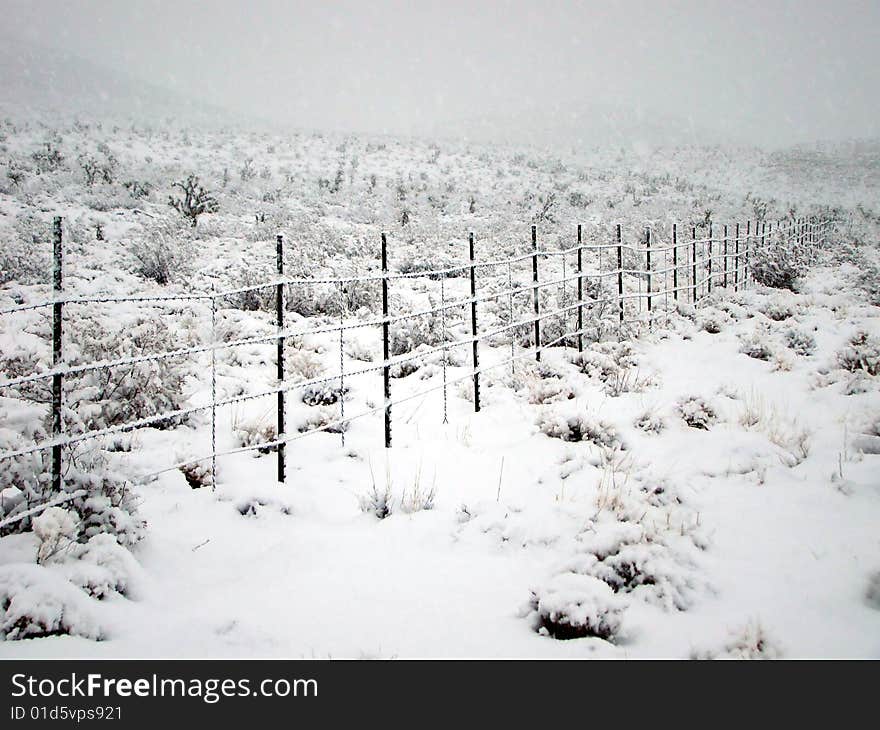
279,353
57,352
580,319
386,349
535,293
675,263
619,275
474,344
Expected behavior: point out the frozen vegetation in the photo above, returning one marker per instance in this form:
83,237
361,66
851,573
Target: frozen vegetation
703,487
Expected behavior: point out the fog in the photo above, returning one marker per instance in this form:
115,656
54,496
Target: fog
765,72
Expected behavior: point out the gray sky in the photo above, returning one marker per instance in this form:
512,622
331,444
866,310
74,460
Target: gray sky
772,72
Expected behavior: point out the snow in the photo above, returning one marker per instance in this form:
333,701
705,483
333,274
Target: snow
674,493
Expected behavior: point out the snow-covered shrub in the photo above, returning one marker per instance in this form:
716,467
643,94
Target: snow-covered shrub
696,412
650,422
56,529
163,253
321,418
25,252
377,502
756,345
304,365
357,350
777,309
577,427
803,343
100,567
323,394
37,601
417,498
574,606
550,391
776,265
198,474
712,322
253,433
748,642
408,334
862,352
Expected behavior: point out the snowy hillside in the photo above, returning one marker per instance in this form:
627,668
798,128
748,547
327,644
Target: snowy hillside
703,483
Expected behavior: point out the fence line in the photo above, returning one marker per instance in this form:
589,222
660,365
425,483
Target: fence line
715,263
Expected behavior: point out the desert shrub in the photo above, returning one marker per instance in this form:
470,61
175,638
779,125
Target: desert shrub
573,606
194,200
321,418
252,433
803,343
163,253
712,322
25,251
198,474
377,501
749,642
550,391
861,353
776,265
323,394
304,364
777,309
650,422
578,427
756,345
408,334
697,412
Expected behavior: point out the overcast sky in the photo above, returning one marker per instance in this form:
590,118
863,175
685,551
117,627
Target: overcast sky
773,72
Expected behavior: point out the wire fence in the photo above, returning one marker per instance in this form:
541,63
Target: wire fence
637,283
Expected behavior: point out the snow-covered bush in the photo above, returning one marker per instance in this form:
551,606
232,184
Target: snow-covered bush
253,433
577,427
650,422
550,391
757,345
776,265
749,642
712,322
321,418
37,601
101,567
803,343
198,474
56,529
777,309
574,606
408,334
323,394
696,412
304,364
25,251
163,253
377,502
861,353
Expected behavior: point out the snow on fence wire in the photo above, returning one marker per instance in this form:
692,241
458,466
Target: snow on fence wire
690,267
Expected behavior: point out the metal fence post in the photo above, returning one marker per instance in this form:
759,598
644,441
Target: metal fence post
279,353
675,263
580,319
619,275
474,343
725,256
57,352
213,387
386,350
736,259
694,264
535,293
709,283
648,261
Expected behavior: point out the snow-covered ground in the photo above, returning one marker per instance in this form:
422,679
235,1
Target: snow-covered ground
672,492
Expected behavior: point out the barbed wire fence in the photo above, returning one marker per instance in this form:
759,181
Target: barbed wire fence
653,277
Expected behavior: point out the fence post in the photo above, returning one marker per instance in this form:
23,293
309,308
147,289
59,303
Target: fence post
619,276
57,353
736,259
213,387
694,264
675,263
725,256
474,344
386,350
710,259
535,293
279,354
648,261
580,319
